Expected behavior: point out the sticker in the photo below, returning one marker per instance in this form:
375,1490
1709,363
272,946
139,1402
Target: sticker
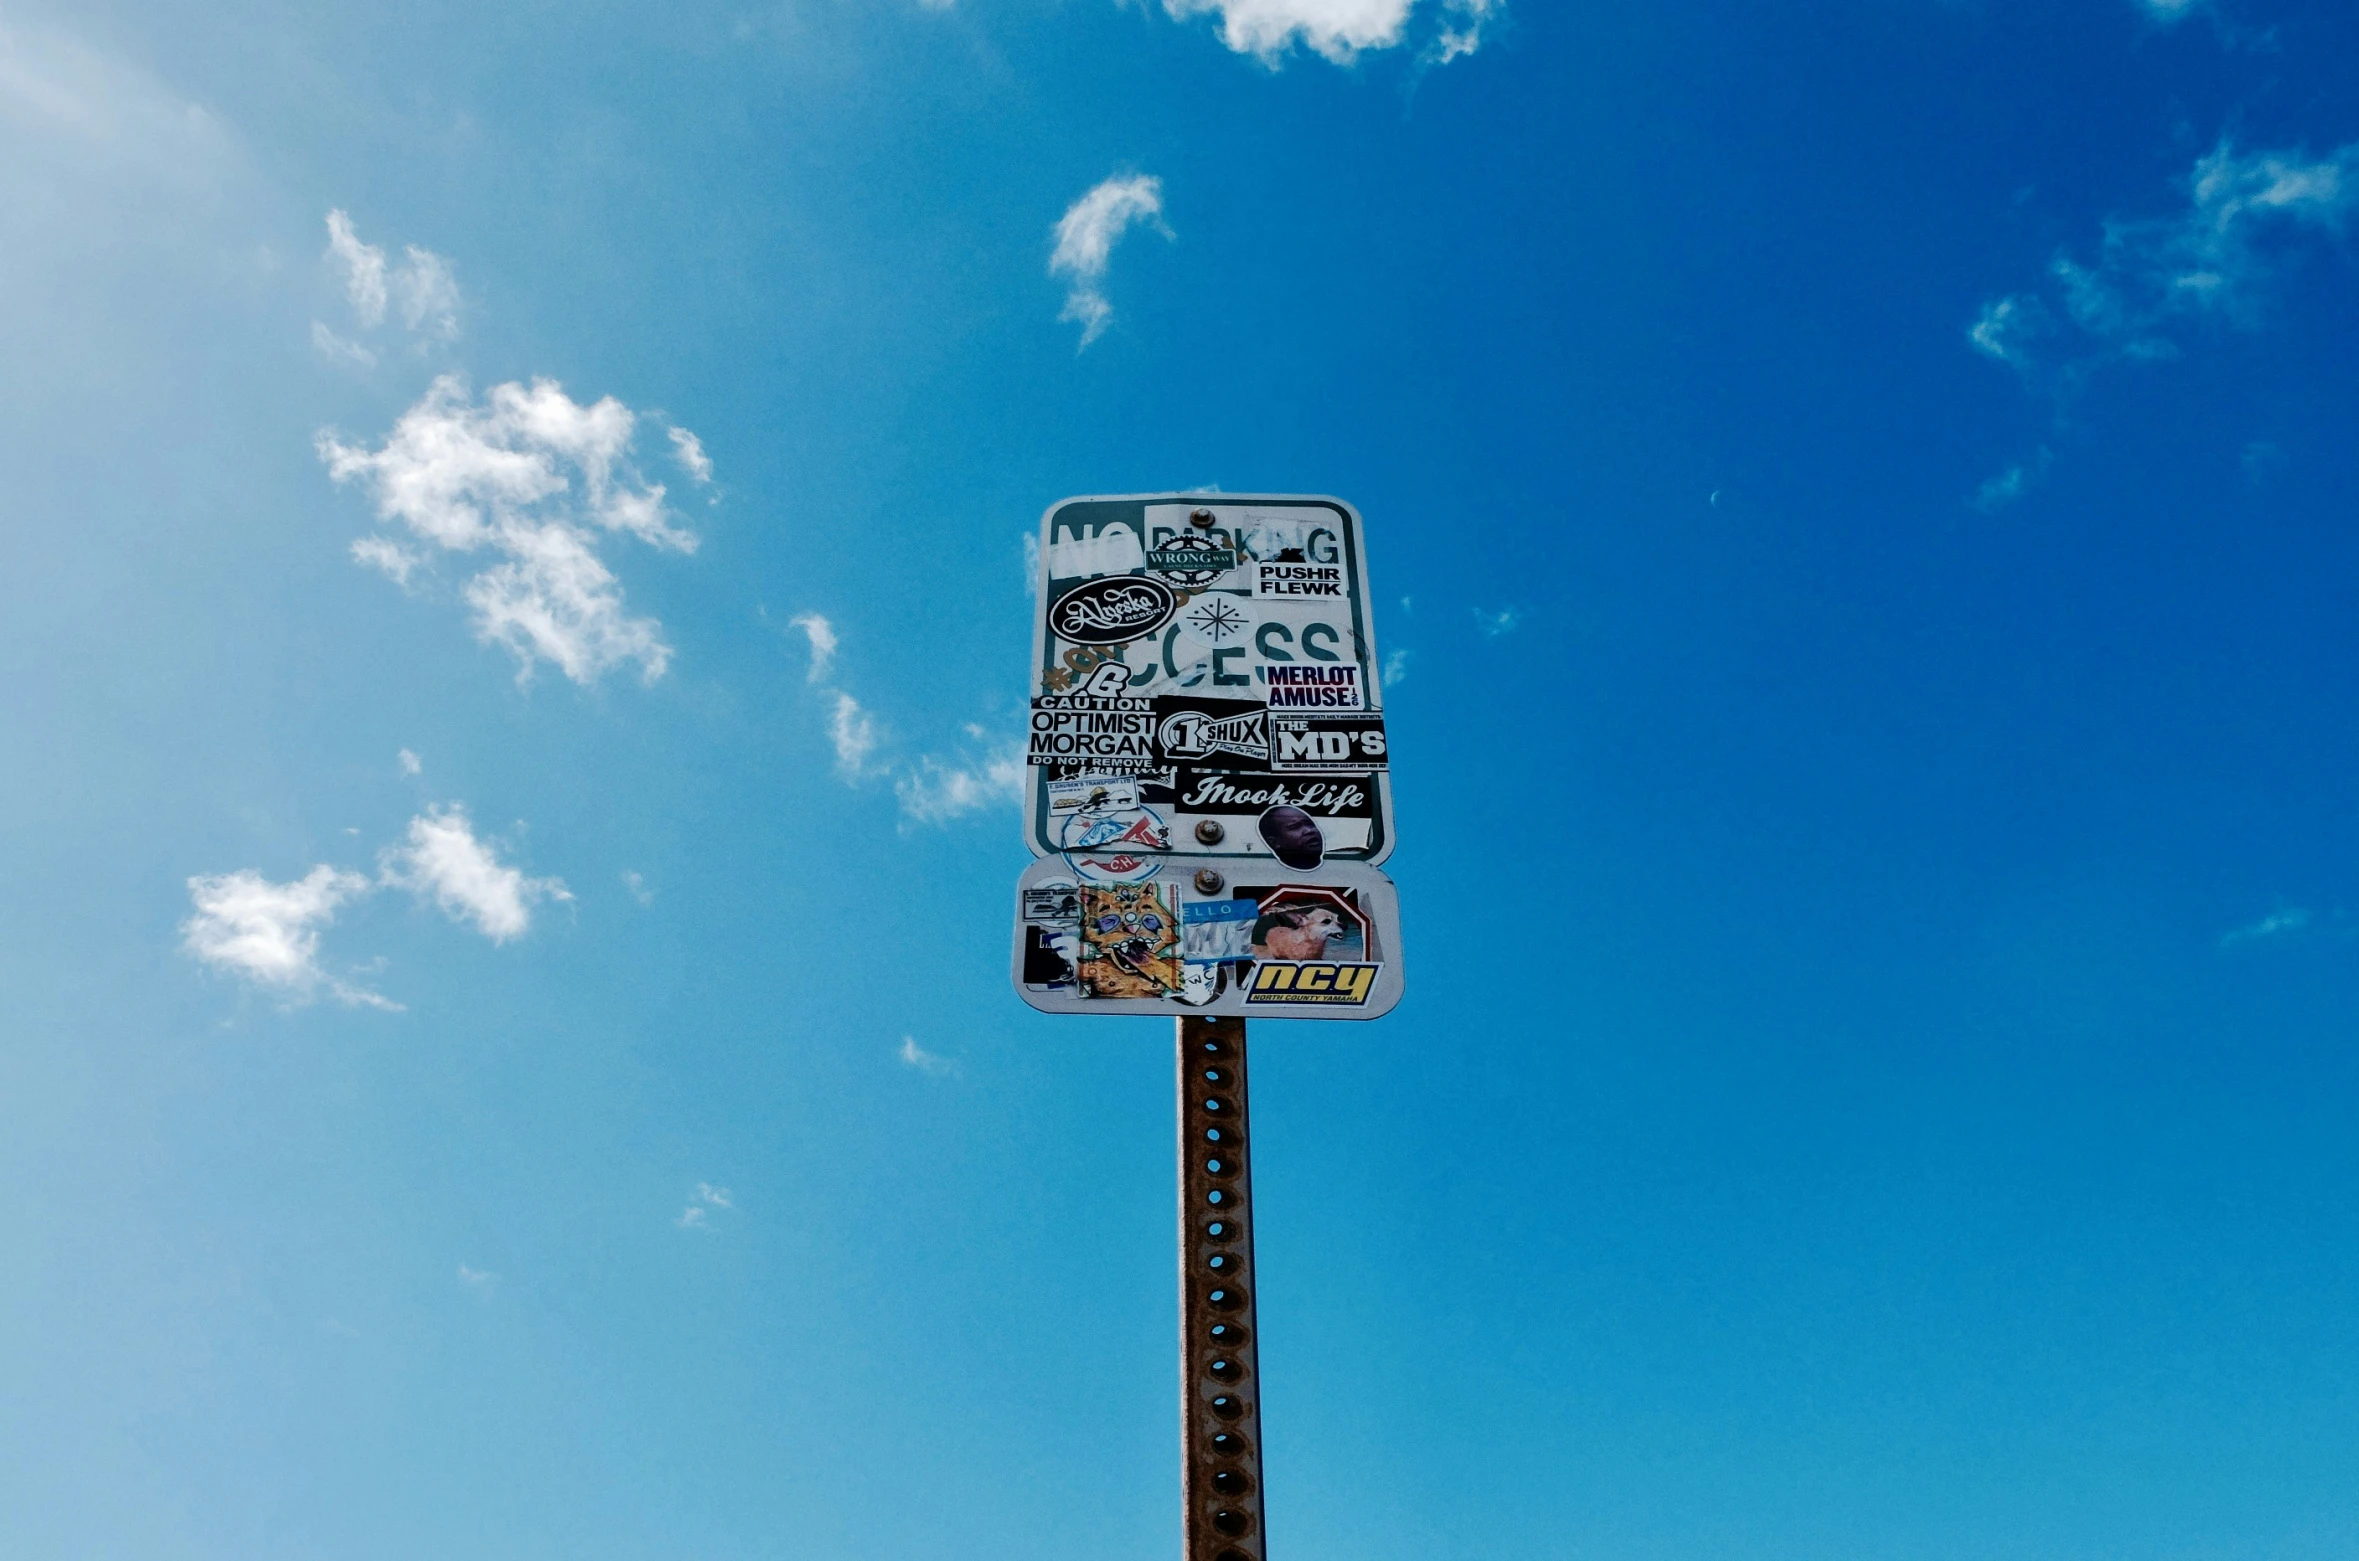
1129,941
1056,902
1113,847
1214,930
1293,837
1220,791
1221,733
1111,866
1308,922
1298,582
1311,981
1110,734
1051,955
1092,794
1317,743
1218,619
1112,611
1200,984
1314,685
1192,561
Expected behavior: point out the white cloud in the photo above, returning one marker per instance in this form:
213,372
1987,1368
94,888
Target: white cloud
1086,236
410,763
2170,10
268,933
364,271
925,1061
1462,32
821,634
702,1200
480,1283
1997,492
2275,924
688,450
1497,623
1396,667
1339,30
536,478
445,861
939,790
854,734
336,348
423,284
638,887
2246,219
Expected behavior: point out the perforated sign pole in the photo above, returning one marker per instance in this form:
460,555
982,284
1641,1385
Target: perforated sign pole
1220,1376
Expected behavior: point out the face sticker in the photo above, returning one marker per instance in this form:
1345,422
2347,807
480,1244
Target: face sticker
1129,941
1293,837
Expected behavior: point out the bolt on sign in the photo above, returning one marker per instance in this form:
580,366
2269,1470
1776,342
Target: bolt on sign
1208,773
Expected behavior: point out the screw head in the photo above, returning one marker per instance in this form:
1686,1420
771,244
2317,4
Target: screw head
1201,518
1209,831
1208,881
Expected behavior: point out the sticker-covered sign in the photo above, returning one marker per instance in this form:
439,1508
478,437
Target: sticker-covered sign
1215,935
1205,681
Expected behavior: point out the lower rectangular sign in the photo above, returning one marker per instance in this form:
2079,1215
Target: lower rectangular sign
1208,934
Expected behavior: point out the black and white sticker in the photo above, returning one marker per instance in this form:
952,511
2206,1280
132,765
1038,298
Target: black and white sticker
1286,581
1228,734
1106,734
1320,744
1223,792
1314,685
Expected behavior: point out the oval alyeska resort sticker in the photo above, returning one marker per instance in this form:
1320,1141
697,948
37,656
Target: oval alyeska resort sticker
1113,611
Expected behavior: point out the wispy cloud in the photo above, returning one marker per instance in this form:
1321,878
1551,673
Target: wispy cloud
924,1061
703,1200
1086,236
853,731
2248,217
2010,485
821,635
443,860
688,450
421,288
936,790
1496,622
1396,667
2275,924
638,887
410,763
536,479
478,1282
267,933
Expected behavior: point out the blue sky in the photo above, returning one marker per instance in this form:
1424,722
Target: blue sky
507,1042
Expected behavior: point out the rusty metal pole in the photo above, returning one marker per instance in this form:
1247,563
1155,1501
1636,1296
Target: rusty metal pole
1220,1376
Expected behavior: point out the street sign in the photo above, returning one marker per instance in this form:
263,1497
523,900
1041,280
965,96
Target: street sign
1205,681
1207,935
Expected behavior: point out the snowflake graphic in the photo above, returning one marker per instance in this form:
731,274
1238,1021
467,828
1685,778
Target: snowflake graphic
1217,620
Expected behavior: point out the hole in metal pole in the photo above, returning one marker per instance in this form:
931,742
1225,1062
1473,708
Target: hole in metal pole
1233,1523
1231,1482
1223,1263
1225,1370
1216,1196
1217,1106
1229,1407
1227,1335
1226,1297
1216,1076
1232,1553
1230,1444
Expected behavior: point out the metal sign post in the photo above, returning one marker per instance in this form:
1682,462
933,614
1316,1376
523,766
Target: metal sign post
1220,1358
1209,795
